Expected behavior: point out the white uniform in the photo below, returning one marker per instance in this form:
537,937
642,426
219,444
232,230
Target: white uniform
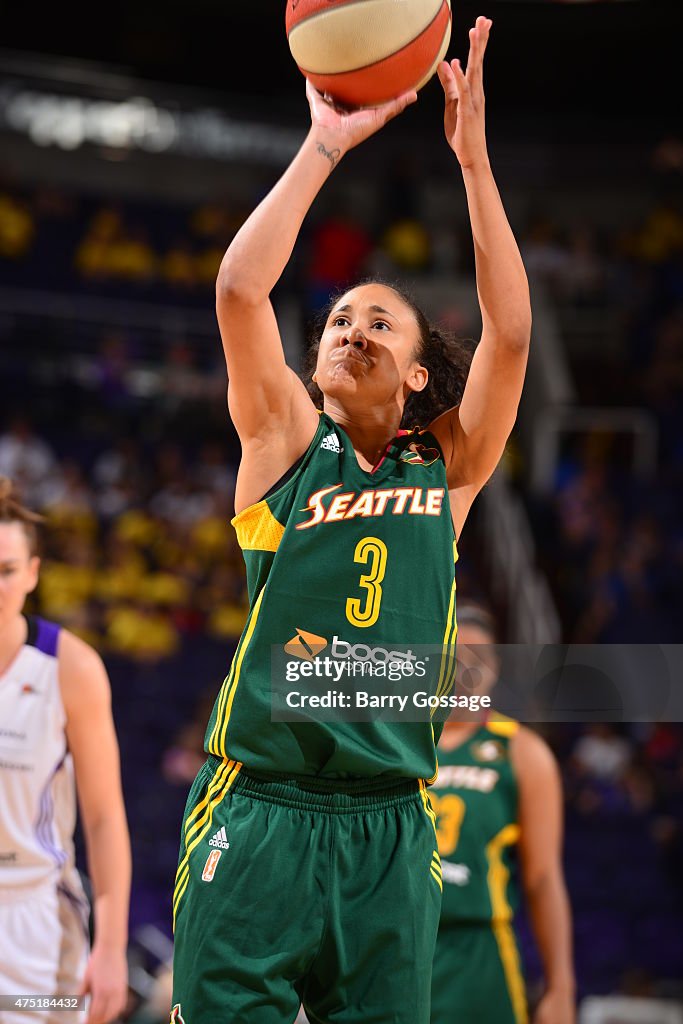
43,909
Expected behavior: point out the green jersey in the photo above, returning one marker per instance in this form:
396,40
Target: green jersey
475,800
338,555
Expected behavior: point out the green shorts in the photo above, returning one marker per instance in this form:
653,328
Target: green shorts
290,891
477,976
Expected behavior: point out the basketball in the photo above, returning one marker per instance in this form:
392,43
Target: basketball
366,52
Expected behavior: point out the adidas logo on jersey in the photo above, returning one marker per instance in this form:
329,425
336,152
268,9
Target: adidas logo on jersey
331,444
220,839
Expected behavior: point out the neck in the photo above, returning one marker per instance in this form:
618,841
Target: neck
12,638
370,430
456,733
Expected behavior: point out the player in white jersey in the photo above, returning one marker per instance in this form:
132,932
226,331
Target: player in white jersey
56,734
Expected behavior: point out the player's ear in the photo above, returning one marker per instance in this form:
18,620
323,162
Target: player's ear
34,571
418,378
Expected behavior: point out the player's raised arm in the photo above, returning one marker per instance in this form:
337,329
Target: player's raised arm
269,405
474,435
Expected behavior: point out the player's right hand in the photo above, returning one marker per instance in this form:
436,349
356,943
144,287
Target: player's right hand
341,129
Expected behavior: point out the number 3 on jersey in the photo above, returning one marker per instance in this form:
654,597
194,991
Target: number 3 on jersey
450,811
364,612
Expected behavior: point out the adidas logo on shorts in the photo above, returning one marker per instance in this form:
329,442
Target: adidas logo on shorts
220,839
331,444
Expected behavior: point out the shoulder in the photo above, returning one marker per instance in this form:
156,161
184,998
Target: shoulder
83,678
441,429
75,655
500,725
42,635
531,756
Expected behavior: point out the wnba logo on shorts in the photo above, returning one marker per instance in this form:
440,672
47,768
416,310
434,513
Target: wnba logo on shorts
207,876
176,1015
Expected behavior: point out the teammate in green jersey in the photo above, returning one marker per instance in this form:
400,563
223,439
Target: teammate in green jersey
498,800
308,868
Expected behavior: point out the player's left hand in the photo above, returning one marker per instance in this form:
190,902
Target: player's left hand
464,120
106,982
556,1007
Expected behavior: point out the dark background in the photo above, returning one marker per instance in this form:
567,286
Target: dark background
574,67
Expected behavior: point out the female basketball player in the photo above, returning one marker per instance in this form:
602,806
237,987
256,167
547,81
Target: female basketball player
497,793
55,725
308,869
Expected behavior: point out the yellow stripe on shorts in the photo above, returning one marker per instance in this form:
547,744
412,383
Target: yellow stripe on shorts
220,785
195,822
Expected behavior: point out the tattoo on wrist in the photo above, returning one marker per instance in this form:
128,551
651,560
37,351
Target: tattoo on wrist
332,155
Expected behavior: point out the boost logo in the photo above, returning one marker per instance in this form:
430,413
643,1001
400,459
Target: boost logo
306,645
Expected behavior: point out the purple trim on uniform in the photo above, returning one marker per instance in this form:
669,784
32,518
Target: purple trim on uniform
48,635
45,824
80,906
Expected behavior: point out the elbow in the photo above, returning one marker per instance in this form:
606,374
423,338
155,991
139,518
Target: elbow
518,328
234,287
540,879
517,332
520,337
515,335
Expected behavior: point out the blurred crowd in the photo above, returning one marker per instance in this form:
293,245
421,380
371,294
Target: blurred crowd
137,548
623,851
163,250
111,246
612,542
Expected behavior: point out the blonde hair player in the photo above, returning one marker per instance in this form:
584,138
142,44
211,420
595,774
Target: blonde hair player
56,729
498,800
308,870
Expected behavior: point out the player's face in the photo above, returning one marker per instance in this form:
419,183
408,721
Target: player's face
477,671
18,571
368,348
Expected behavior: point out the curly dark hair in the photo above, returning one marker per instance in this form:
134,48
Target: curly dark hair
446,357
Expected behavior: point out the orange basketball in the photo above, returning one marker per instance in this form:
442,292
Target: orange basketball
365,52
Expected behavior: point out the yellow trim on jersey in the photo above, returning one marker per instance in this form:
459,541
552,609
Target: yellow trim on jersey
435,776
426,804
512,968
437,878
231,689
222,697
217,790
498,873
447,674
448,663
257,528
502,725
501,913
